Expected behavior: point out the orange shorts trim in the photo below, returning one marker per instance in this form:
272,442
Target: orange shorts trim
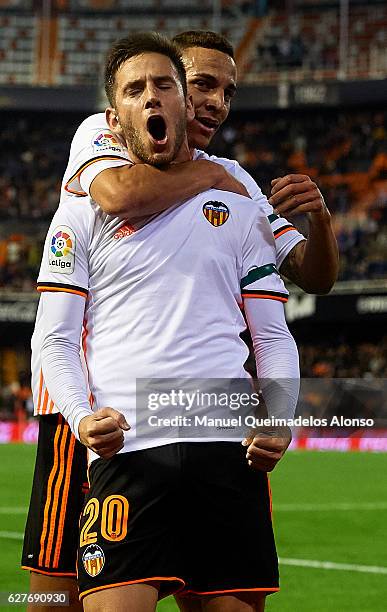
38,571
116,584
262,590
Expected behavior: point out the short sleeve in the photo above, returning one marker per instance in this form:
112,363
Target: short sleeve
260,278
285,234
64,265
93,149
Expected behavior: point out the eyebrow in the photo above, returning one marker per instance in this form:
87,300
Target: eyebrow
210,77
140,82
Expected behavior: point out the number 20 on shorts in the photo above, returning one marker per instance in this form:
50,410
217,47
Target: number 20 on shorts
114,519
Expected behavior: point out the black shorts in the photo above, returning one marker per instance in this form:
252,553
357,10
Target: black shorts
193,516
58,492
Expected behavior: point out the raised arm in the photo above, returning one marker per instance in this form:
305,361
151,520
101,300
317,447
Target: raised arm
313,265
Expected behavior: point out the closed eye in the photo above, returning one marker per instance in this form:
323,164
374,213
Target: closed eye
201,84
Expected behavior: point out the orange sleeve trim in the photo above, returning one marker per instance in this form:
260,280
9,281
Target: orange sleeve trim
260,589
39,571
116,584
42,288
287,229
264,297
86,165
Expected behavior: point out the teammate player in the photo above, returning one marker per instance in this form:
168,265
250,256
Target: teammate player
215,250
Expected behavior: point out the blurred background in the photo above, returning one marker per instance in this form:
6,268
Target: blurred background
311,99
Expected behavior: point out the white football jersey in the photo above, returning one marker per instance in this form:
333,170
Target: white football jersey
162,301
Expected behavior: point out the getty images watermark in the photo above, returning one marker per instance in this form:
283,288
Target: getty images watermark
223,408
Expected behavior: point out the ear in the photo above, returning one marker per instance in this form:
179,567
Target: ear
113,121
190,109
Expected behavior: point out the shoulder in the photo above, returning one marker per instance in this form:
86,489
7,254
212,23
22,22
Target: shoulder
95,134
75,210
233,167
230,165
93,122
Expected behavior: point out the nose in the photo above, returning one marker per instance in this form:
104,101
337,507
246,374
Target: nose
215,101
152,99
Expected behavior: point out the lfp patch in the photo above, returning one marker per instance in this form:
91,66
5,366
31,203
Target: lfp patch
106,141
216,213
61,254
93,560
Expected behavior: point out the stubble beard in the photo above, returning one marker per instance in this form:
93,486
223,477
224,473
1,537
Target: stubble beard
139,148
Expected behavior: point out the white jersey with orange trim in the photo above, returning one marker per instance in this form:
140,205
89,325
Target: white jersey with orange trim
95,148
160,302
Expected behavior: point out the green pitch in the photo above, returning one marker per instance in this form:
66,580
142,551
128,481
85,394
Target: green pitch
328,507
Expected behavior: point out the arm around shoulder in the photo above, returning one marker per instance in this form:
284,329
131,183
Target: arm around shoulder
140,189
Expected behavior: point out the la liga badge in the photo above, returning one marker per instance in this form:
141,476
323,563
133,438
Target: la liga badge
61,250
216,213
93,560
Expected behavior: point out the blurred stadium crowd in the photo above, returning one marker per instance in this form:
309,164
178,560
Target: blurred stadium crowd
344,151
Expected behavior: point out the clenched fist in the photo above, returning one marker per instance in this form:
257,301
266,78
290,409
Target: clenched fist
103,431
297,193
265,449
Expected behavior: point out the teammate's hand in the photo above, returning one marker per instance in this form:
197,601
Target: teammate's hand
297,193
266,448
103,431
227,182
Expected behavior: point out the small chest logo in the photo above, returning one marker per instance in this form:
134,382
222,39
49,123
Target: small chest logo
216,213
93,560
124,231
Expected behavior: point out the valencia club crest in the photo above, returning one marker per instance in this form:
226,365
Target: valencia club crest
93,560
216,213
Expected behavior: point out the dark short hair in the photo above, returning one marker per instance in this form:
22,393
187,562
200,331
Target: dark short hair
136,44
205,39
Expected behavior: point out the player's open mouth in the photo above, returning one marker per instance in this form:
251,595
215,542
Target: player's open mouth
157,129
208,123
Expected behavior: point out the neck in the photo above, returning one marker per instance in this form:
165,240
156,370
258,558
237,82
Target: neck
184,154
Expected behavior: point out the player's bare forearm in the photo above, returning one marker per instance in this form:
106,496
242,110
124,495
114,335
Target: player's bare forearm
139,190
312,265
